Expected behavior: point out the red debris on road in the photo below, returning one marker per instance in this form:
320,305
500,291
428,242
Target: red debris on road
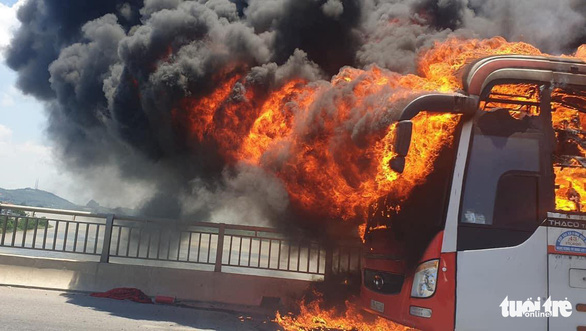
124,293
164,300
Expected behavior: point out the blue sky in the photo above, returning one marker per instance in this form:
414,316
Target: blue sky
25,152
24,115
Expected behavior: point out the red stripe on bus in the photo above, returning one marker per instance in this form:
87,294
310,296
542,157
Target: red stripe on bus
551,250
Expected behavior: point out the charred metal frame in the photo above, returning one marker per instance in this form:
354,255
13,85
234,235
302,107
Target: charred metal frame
481,76
520,67
552,72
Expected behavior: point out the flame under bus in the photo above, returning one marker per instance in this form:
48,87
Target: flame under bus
478,230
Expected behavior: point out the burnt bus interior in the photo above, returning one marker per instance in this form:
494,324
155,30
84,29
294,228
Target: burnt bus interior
524,134
518,147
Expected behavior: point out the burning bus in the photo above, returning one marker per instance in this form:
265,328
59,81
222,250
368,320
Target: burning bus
502,216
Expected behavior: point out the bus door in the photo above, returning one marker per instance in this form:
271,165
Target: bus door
505,195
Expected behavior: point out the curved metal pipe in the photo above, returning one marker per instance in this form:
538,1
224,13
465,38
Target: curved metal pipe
440,103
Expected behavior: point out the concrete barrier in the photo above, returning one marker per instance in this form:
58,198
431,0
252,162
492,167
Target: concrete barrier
180,283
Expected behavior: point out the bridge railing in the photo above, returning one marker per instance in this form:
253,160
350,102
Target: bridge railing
215,246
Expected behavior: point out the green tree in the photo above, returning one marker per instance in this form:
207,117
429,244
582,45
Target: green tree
22,220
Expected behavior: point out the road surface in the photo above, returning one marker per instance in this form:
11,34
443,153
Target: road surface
33,309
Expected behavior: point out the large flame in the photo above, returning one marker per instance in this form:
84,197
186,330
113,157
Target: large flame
330,142
309,133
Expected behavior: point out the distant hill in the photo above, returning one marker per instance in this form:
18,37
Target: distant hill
35,198
39,198
95,207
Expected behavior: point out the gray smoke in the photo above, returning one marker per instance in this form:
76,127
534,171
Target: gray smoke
112,73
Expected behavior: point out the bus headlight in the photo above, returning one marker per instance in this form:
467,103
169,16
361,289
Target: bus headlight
424,280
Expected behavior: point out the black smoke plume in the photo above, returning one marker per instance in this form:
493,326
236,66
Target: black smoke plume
111,73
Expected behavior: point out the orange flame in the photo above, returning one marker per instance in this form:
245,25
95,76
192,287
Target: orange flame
330,142
313,317
202,110
570,178
570,189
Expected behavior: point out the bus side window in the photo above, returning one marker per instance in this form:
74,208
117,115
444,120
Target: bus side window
519,99
516,204
494,211
568,105
491,158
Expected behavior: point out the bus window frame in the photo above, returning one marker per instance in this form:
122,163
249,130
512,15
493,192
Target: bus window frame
544,112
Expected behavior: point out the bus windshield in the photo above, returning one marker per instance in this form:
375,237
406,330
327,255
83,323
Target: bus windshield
409,225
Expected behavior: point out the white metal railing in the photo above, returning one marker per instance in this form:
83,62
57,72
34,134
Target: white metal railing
139,239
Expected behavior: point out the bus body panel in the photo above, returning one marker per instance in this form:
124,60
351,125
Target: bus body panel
451,228
441,303
567,268
486,277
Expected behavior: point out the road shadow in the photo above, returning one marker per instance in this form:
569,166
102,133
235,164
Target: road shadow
208,319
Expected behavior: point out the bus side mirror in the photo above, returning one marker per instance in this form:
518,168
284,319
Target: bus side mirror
402,142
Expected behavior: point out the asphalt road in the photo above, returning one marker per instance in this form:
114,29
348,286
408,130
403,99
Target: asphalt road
33,309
